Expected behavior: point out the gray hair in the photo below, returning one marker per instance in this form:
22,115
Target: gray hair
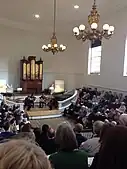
65,137
97,126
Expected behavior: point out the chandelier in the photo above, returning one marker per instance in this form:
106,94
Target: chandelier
53,46
92,32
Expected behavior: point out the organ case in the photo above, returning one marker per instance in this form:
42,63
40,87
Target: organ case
31,75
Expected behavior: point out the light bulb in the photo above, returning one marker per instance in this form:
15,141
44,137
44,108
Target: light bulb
111,28
37,16
44,47
55,45
76,30
64,47
49,45
82,27
109,33
94,26
105,27
61,46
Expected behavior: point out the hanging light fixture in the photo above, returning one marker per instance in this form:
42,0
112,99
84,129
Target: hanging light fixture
92,32
53,46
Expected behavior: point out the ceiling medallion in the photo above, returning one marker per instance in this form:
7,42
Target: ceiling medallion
92,32
53,46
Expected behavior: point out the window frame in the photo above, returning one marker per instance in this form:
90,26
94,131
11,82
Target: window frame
92,57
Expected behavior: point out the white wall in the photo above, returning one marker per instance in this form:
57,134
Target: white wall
113,53
71,65
68,66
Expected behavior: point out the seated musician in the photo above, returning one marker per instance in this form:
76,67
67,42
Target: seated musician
42,101
27,103
32,98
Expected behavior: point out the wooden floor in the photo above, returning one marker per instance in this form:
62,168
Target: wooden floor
52,122
42,112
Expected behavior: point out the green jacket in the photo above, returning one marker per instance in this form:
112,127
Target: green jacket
69,160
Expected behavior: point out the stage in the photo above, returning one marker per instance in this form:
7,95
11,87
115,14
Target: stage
43,113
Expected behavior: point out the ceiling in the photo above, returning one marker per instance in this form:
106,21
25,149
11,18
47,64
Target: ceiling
20,13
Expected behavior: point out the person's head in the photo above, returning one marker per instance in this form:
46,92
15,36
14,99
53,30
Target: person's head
6,126
22,155
45,128
65,137
51,133
26,127
37,132
122,104
113,151
28,136
78,128
123,119
97,126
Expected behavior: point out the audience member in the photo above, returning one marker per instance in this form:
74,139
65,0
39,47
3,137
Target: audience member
92,146
68,157
123,119
47,141
37,132
22,155
6,134
113,150
78,129
27,127
106,127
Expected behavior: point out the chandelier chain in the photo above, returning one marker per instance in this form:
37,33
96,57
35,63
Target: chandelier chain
54,28
53,46
94,2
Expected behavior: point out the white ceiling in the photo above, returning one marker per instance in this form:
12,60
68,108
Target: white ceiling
19,13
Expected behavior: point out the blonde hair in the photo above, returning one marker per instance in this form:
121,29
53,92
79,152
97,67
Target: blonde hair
21,154
29,136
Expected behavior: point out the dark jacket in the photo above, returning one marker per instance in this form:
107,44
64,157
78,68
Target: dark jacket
47,144
80,139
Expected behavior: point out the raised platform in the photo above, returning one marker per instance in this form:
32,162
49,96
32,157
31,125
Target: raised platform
37,113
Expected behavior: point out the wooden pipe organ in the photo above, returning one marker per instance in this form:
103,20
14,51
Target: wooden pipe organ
31,74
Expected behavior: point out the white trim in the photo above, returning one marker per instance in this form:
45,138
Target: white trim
45,117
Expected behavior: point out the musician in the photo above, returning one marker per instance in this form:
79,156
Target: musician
32,98
27,103
42,101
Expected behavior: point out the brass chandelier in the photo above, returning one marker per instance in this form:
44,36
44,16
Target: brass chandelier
92,32
53,46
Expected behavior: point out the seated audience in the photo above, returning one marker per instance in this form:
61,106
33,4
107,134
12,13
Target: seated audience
67,157
92,146
6,134
78,129
19,154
